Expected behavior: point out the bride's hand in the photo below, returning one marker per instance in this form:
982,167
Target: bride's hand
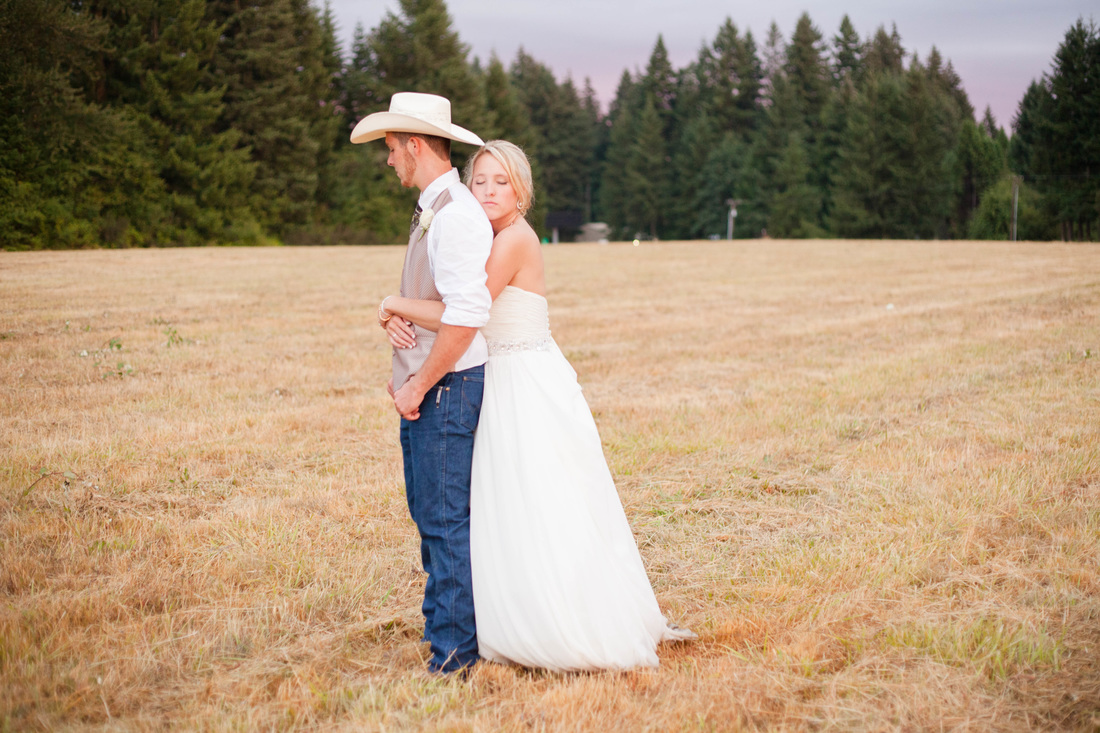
400,333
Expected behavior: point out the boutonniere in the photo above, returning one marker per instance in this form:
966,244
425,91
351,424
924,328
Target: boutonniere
426,217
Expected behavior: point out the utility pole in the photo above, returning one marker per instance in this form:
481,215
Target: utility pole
732,203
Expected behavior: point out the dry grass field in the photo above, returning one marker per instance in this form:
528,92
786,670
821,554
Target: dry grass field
866,473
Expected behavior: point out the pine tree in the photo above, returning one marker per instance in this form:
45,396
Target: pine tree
834,124
509,120
848,72
157,166
643,183
578,132
884,53
869,186
691,113
166,77
810,82
949,84
332,53
1030,129
1053,143
989,123
695,145
847,53
929,188
750,76
565,138
896,171
508,117
981,163
419,50
129,122
729,172
537,92
774,59
735,80
796,205
1074,140
270,100
73,173
360,87
658,90
659,82
807,73
696,87
785,117
598,136
622,118
329,123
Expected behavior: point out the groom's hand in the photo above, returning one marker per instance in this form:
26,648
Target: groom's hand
407,401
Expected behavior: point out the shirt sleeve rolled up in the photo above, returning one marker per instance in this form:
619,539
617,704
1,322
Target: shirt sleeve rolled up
458,247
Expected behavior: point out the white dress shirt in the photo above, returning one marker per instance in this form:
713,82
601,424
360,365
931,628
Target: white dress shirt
459,240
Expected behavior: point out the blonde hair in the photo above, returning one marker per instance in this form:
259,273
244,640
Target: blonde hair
515,164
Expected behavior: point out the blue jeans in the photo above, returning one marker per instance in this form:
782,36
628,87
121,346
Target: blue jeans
438,450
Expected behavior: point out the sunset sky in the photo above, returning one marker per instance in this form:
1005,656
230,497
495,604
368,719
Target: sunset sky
997,46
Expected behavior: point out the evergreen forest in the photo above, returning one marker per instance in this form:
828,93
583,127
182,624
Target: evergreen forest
137,123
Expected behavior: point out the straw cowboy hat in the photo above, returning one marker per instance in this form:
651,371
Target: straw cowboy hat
428,114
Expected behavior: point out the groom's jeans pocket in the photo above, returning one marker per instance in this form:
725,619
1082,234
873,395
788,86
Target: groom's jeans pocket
455,400
471,391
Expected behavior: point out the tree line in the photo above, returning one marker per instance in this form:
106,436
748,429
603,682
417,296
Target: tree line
192,122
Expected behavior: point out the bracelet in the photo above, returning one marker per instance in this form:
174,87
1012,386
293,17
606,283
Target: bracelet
382,309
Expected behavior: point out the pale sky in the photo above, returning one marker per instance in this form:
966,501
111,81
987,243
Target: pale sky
996,46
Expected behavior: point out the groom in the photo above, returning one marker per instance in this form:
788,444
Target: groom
437,384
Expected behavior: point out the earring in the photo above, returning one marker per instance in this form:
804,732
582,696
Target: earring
519,206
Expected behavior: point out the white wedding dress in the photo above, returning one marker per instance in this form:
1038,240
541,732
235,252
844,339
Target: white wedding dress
558,581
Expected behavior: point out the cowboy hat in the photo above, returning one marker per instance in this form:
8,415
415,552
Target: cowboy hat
428,114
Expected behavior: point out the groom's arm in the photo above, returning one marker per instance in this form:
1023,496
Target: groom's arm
459,243
458,246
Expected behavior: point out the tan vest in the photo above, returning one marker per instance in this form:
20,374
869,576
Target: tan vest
417,282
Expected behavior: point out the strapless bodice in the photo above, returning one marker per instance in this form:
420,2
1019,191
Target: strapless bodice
519,321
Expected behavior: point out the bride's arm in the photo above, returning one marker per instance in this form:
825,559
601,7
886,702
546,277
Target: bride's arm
504,262
395,313
424,313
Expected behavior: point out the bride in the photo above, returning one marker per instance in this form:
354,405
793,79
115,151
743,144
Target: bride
558,581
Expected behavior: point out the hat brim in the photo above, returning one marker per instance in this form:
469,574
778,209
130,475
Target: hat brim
375,126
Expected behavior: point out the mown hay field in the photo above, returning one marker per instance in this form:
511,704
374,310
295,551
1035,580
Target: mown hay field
866,473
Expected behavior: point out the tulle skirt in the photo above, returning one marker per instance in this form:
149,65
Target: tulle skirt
558,581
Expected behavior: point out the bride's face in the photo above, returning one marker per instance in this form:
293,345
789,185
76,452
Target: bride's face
493,189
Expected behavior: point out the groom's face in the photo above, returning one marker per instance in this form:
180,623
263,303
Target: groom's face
400,160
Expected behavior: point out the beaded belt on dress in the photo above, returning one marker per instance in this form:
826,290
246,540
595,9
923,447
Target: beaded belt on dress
542,343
